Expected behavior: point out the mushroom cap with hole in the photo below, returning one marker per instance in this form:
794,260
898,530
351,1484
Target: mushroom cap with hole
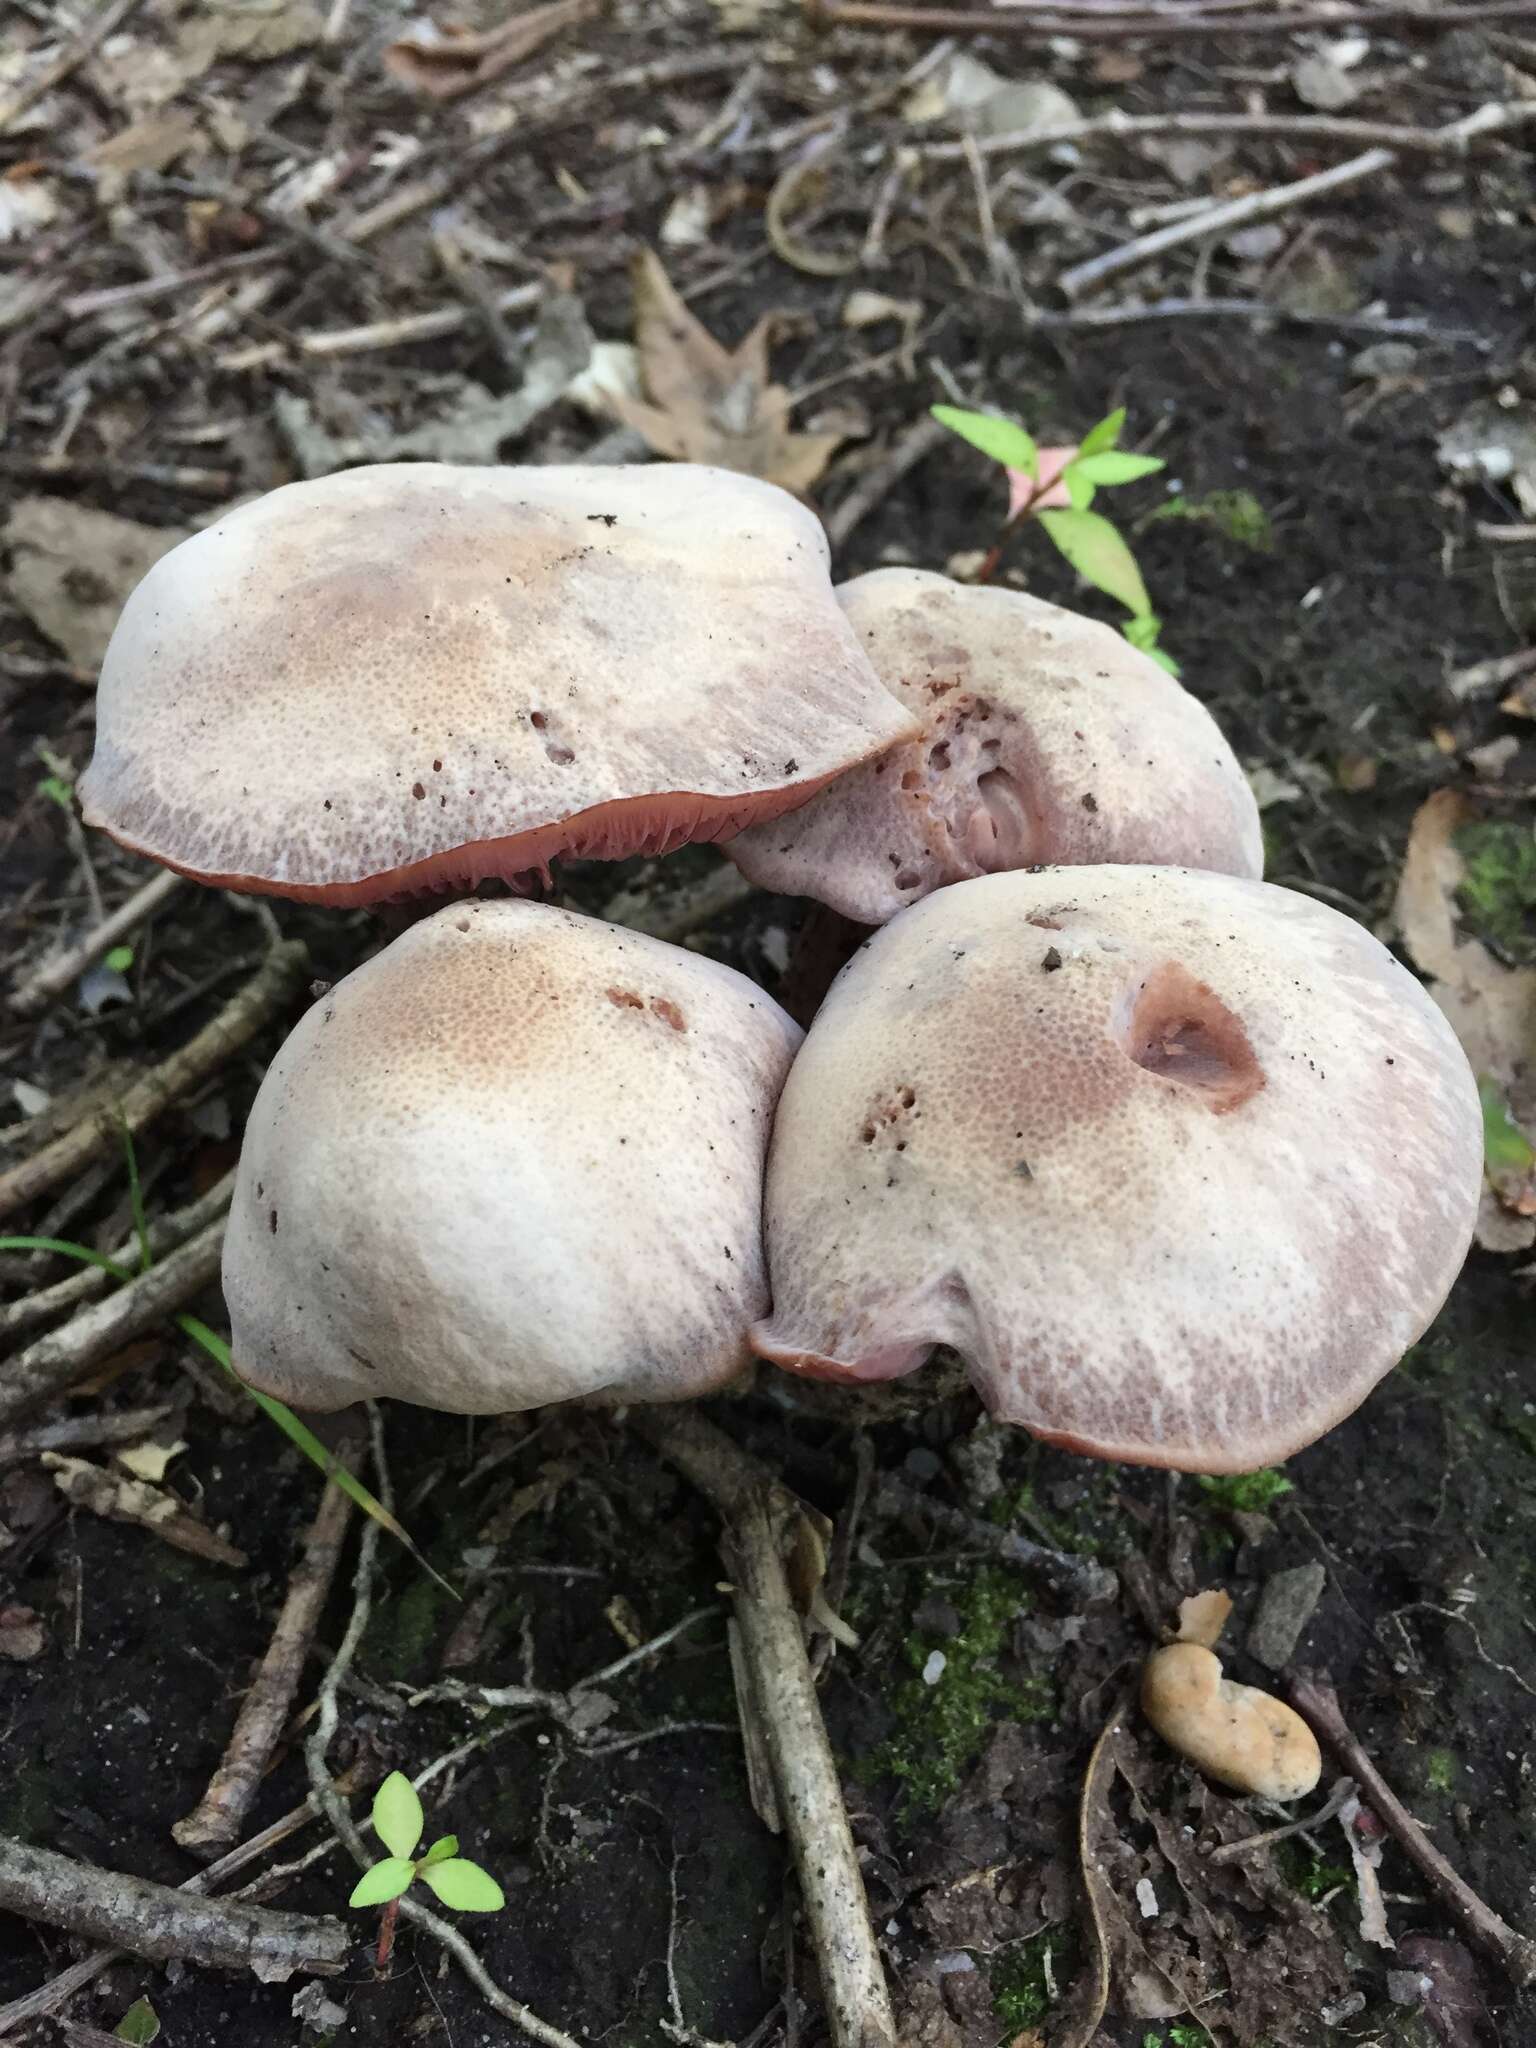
416,676
1179,1163
516,1158
1046,737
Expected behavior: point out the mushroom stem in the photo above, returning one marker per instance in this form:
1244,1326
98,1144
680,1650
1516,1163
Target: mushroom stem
757,1513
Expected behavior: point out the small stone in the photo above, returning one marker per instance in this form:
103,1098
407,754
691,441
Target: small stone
1406,1987
933,1670
1286,1605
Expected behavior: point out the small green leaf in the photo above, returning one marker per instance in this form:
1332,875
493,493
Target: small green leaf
120,959
139,2024
1165,661
397,1816
444,1847
56,788
1080,489
1506,1149
385,1881
1105,435
1114,467
464,1886
1000,439
1099,555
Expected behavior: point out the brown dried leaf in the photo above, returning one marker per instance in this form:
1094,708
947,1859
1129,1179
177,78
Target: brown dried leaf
72,567
151,143
1203,1616
447,66
706,403
129,1500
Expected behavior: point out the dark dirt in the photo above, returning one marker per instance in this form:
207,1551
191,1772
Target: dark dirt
1326,659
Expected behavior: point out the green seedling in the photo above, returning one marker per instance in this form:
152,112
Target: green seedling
120,959
1038,479
140,2024
1250,1493
399,1824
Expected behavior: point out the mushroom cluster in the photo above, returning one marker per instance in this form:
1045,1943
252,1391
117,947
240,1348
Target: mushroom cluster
1178,1162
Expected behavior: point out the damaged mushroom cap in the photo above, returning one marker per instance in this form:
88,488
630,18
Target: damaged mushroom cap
415,676
1046,737
1237,1734
516,1158
1179,1163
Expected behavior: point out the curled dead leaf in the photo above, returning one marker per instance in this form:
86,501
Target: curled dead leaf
72,567
799,186
706,403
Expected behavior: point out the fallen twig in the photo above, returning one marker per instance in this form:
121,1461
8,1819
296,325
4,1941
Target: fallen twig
1261,312
1118,126
69,59
533,120
215,1823
1080,1577
1482,678
81,1432
1256,206
1220,220
328,1799
161,1923
758,1515
110,298
54,1362
876,485
1315,1700
1344,1789
1105,28
268,992
47,1304
55,975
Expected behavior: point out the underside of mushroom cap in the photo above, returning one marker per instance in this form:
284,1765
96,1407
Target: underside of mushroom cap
1178,1162
1047,738
416,676
517,1158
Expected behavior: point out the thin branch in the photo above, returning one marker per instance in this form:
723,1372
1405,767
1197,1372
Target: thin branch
54,976
82,1432
1080,1577
69,60
1153,27
1257,206
265,996
757,1514
47,1304
330,1803
215,1823
1315,1700
1121,127
1261,312
876,485
161,1923
55,1362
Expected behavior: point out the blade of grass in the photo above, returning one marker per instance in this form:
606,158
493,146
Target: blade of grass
136,1200
214,1345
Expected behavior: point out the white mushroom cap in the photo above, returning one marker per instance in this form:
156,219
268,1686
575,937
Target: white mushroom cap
516,1158
1181,1164
1046,737
415,676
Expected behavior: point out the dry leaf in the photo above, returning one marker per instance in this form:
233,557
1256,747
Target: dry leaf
446,66
256,30
706,403
129,1500
149,1460
149,144
72,567
1203,1616
1491,1007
